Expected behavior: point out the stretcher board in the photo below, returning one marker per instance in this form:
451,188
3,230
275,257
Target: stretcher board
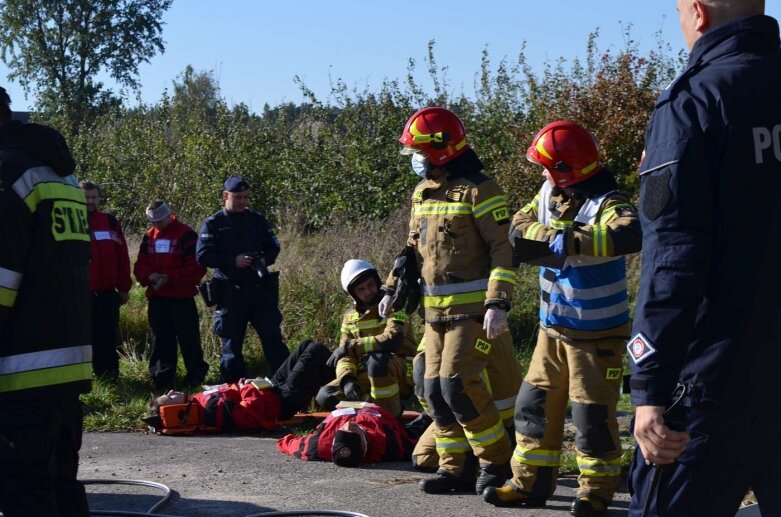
298,418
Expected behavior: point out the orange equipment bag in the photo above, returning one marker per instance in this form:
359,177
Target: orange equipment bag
180,418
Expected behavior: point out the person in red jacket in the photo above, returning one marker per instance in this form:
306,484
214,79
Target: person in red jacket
166,266
110,282
351,436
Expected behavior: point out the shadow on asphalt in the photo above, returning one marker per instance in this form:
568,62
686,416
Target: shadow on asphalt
175,506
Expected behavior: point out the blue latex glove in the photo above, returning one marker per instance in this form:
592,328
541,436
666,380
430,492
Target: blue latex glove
557,246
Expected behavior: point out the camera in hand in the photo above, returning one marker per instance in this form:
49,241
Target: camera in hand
258,264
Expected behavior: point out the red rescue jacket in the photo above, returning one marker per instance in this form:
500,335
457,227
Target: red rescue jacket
172,252
109,266
387,440
234,408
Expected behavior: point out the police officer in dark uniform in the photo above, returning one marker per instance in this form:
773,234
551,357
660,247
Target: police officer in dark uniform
45,307
240,245
707,329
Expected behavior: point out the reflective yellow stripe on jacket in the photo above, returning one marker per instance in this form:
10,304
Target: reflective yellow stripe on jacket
45,368
441,296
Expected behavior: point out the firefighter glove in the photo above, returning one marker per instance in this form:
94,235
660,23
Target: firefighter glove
337,354
352,391
494,322
558,245
386,306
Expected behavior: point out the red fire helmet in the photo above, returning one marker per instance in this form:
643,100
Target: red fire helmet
568,152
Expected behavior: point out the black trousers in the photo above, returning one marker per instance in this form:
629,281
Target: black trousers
105,334
172,320
301,375
39,458
257,305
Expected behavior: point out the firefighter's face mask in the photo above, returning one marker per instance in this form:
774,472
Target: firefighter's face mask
421,164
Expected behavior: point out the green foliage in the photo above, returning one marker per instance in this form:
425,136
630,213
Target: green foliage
57,49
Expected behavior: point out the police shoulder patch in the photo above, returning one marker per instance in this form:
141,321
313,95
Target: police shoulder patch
640,348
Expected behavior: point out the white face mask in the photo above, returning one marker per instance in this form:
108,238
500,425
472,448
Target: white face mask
420,164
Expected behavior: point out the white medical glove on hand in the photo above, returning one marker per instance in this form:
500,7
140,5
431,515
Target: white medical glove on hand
494,322
386,306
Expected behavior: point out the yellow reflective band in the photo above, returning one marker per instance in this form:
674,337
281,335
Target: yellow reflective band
399,316
488,205
541,148
600,240
531,231
422,345
345,365
441,302
507,414
537,457
368,344
452,445
536,201
369,324
486,381
46,377
460,145
561,225
7,297
599,468
347,329
442,208
45,191
588,168
608,213
488,437
504,275
384,392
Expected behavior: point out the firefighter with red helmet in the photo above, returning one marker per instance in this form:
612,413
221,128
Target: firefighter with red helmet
374,356
458,233
578,227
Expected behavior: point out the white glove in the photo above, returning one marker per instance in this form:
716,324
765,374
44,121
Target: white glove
386,306
494,322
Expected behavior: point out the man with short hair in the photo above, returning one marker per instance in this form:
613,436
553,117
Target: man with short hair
705,350
45,348
109,280
240,245
166,266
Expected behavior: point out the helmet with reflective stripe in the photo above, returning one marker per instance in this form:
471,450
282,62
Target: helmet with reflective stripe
436,132
568,152
356,271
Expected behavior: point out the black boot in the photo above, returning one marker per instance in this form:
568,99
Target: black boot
444,483
492,475
588,506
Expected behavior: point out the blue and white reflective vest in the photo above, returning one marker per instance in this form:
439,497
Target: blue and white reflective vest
587,293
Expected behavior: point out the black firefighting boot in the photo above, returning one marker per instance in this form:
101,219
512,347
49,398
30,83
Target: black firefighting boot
492,475
443,483
588,506
507,495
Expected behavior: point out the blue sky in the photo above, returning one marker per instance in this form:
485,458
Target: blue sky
256,48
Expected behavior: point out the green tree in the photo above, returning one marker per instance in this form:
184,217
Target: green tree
57,48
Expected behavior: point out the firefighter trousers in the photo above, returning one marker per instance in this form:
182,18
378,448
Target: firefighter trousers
459,399
384,376
587,372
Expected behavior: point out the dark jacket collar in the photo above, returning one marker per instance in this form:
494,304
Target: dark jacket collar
753,32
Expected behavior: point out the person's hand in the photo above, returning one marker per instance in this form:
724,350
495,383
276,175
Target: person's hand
337,354
494,322
161,280
123,297
352,391
558,246
243,261
386,306
659,444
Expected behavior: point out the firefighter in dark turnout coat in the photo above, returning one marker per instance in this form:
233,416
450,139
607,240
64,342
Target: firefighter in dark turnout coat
45,351
707,324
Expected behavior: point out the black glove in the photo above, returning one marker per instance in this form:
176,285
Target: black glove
337,354
351,390
405,268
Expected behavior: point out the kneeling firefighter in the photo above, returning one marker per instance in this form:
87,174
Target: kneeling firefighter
374,356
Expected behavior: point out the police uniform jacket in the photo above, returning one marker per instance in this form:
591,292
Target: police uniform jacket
223,236
707,311
458,226
45,345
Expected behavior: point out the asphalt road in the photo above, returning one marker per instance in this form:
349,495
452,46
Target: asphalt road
239,476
